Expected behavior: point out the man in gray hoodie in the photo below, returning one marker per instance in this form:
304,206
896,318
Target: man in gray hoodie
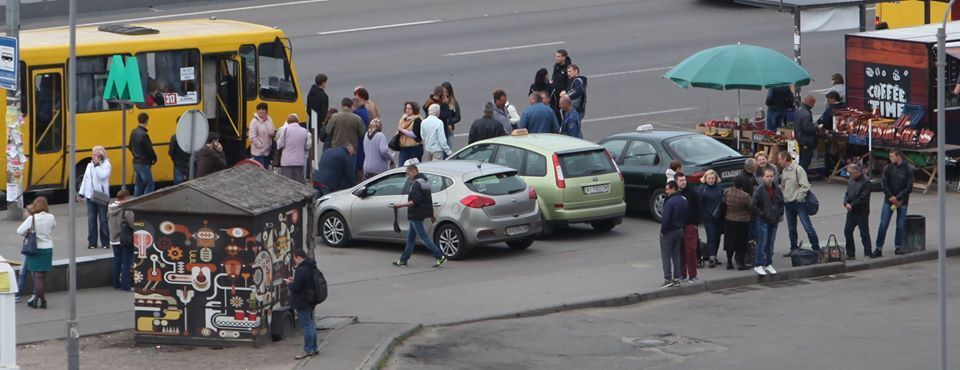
121,222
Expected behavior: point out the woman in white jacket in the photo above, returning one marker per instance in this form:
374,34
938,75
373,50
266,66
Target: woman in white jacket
41,222
95,190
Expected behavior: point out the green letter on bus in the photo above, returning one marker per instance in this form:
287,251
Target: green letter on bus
123,82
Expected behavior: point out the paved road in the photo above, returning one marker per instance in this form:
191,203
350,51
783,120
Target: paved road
625,46
879,319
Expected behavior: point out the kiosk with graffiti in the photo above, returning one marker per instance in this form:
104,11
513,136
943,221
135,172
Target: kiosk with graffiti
213,271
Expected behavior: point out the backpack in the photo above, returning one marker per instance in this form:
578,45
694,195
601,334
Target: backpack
319,292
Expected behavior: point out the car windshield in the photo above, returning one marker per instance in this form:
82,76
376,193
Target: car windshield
588,163
497,184
697,149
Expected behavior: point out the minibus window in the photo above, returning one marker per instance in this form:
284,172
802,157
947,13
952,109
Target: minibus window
170,78
276,77
48,126
91,82
248,57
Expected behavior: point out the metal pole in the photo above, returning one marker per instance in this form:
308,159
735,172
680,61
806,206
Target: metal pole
193,139
926,11
941,183
73,327
796,50
14,208
123,146
863,17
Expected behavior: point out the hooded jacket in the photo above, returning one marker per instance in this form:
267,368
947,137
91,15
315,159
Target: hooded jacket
421,197
302,284
115,217
577,92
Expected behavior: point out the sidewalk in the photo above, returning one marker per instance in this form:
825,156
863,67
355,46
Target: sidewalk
11,250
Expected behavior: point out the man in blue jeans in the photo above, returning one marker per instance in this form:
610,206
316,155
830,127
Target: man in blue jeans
301,285
897,185
420,202
767,206
144,157
795,189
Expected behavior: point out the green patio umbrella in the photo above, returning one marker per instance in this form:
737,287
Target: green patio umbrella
738,67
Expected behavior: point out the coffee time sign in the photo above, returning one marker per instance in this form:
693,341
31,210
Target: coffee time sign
887,89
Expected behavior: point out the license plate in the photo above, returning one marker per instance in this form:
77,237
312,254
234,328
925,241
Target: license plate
730,173
596,189
517,230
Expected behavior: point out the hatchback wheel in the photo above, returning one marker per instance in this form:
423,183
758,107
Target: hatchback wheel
333,230
656,204
520,244
450,240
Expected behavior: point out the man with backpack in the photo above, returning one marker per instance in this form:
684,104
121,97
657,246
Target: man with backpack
304,296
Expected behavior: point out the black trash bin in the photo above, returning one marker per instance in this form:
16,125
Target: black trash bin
915,234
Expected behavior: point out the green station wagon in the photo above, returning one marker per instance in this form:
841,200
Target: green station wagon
576,181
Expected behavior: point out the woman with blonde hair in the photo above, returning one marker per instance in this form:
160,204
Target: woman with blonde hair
411,144
40,222
379,154
95,190
711,199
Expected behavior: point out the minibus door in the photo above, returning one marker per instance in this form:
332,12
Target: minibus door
46,136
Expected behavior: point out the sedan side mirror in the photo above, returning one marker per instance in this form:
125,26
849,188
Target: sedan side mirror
363,192
656,159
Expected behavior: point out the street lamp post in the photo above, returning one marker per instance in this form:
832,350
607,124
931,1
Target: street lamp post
73,326
941,182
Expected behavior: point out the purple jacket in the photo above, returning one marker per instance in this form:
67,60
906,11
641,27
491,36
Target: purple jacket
292,142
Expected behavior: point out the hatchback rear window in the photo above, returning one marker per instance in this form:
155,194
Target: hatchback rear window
582,164
498,184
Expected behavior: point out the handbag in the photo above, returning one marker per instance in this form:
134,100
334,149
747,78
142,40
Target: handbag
832,251
29,247
804,257
100,198
394,143
812,203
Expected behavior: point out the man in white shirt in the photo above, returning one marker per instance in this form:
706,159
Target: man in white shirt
434,140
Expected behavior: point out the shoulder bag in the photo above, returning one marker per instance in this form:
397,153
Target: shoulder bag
811,202
277,152
126,233
30,240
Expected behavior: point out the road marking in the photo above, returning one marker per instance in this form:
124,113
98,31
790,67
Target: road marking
640,114
379,27
504,49
242,8
630,72
461,135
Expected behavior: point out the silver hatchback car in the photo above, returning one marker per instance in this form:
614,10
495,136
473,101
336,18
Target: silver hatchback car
475,204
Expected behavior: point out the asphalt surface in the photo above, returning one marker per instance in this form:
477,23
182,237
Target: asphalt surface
623,46
877,319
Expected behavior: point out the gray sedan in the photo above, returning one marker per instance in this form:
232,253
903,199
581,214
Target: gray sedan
475,204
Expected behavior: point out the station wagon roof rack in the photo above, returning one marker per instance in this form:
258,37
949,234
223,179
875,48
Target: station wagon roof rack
127,29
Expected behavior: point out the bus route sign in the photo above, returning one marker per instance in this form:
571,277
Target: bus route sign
9,55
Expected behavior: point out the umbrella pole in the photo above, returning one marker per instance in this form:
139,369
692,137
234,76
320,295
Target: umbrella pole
738,120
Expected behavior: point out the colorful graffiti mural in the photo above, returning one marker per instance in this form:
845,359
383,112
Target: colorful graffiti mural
213,278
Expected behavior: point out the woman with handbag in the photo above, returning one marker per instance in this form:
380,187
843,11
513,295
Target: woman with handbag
408,134
711,196
38,246
95,190
121,238
378,156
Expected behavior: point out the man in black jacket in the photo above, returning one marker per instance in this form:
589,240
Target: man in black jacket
317,104
691,232
897,186
180,159
806,132
559,78
674,219
778,100
486,127
768,207
143,157
420,202
301,285
577,90
857,202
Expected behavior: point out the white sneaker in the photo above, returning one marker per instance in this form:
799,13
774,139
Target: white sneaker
770,270
760,271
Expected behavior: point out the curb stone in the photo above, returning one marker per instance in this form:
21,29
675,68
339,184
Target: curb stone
381,353
379,356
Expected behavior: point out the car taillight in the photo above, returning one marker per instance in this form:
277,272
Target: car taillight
476,201
876,21
558,172
610,157
532,193
695,177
